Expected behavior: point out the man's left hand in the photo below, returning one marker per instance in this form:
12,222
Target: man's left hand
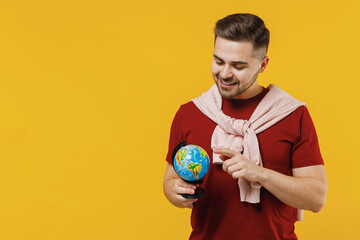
238,166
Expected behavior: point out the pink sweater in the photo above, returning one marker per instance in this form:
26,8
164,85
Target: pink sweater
240,135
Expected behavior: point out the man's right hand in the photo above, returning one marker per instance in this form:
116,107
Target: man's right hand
174,186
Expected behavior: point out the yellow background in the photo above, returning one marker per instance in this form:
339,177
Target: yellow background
88,90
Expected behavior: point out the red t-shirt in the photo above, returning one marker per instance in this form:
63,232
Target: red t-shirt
291,143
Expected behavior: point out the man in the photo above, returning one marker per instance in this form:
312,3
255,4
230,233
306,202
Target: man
257,190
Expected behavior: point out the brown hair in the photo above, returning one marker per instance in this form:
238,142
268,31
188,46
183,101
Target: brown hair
243,27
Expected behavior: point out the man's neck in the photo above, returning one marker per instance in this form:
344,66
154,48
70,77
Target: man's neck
252,91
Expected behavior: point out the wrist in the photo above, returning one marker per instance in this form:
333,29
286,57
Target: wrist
262,174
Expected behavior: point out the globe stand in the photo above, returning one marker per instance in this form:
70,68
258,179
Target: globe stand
199,192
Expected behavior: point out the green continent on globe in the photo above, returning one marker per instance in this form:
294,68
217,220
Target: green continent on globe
181,155
194,168
202,151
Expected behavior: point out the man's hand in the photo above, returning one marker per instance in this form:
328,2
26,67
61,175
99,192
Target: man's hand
182,187
306,189
239,166
174,186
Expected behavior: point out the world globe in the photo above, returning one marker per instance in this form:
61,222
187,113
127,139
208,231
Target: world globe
191,163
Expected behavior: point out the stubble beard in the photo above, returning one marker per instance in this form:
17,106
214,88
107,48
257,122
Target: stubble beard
234,92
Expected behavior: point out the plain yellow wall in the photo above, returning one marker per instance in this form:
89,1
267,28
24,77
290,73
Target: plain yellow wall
88,90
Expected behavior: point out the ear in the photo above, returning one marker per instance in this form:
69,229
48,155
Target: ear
263,64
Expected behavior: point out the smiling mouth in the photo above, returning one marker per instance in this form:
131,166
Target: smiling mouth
226,84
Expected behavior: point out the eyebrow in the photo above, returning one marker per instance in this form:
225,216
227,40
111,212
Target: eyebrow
236,62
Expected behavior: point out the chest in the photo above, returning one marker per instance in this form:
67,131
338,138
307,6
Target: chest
275,142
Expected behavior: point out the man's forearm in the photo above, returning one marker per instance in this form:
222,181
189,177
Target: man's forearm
303,192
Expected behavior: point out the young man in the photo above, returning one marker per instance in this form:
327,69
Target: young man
262,142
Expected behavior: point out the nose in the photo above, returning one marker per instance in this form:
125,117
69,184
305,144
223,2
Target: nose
226,72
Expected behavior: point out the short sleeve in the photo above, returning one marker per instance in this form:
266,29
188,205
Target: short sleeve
306,150
176,134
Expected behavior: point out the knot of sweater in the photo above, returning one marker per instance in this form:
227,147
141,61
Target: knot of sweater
237,127
241,127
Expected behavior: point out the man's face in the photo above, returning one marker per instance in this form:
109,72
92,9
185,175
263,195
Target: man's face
235,68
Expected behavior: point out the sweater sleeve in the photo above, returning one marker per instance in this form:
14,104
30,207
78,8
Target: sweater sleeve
306,151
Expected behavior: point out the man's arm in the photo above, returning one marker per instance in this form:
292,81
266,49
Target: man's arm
306,189
174,186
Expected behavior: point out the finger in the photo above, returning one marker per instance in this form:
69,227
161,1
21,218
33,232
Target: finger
235,167
229,163
186,201
184,184
238,174
225,151
183,190
189,204
223,157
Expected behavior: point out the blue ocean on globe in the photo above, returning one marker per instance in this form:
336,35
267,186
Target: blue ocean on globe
191,162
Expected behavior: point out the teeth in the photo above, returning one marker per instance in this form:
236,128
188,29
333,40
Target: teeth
227,84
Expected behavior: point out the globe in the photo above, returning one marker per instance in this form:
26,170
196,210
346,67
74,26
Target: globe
191,163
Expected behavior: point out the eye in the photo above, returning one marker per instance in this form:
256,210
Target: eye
219,63
238,67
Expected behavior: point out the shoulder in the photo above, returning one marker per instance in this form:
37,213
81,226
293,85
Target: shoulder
191,117
291,125
189,106
187,109
299,114
299,121
184,112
